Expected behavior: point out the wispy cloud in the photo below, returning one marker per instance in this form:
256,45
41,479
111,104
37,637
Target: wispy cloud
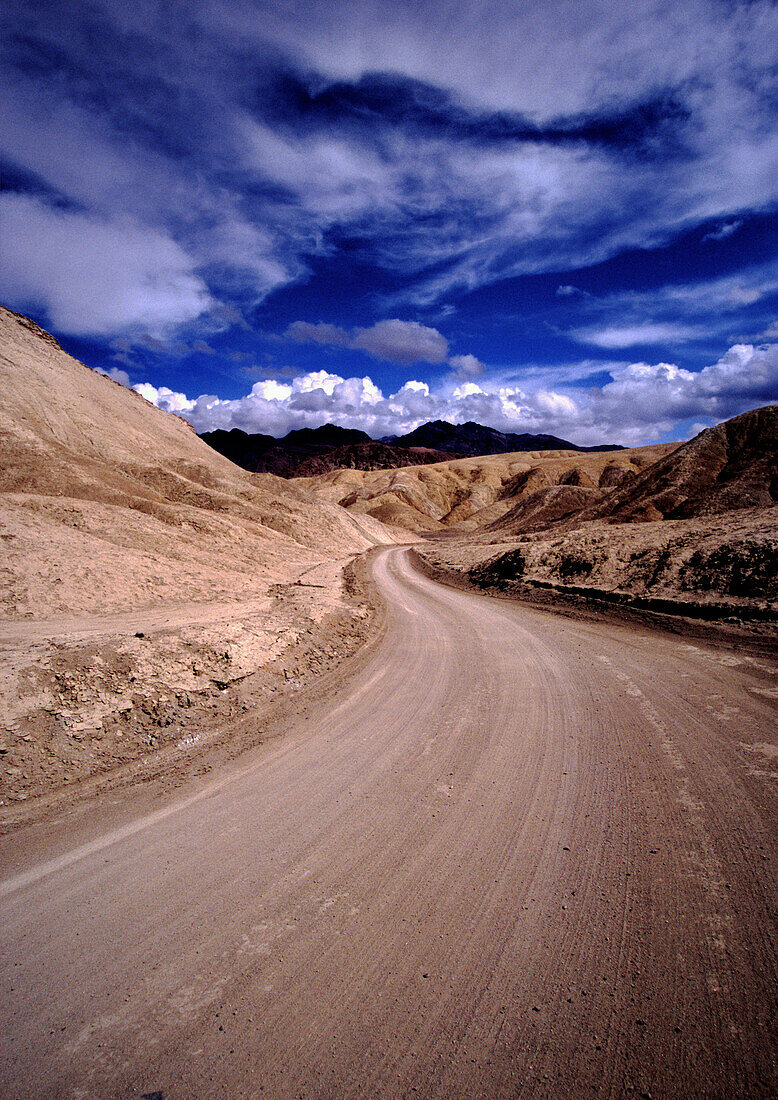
677,313
447,145
627,336
724,231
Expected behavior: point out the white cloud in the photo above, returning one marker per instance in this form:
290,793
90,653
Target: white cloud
332,177
165,398
724,231
93,276
270,390
642,402
304,332
248,199
744,296
403,342
317,380
467,365
680,312
695,300
627,336
394,341
545,58
745,377
468,389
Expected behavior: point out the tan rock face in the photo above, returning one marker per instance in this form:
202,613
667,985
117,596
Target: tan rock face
731,466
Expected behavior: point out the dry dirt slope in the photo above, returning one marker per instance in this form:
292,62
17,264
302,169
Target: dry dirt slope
695,522
470,493
117,521
699,526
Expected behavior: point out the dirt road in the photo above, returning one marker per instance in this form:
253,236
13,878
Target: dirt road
516,855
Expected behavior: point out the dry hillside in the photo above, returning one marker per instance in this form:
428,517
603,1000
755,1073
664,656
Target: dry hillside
697,528
152,591
470,493
142,573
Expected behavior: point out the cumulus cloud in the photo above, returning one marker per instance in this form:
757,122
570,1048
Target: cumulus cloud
641,402
745,377
394,341
165,398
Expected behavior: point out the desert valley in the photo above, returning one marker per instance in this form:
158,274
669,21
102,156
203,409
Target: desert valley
389,550
455,777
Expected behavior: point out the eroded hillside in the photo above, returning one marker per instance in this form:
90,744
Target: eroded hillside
142,573
698,528
470,493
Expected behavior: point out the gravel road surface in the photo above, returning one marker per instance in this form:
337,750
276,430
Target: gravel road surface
513,855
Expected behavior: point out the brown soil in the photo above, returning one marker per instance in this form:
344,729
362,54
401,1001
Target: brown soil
700,568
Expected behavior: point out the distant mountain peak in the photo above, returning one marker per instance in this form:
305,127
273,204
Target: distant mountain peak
302,451
473,439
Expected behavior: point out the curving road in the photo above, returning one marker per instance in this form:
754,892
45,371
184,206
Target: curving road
516,856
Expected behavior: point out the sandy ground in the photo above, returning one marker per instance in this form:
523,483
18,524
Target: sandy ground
501,853
92,702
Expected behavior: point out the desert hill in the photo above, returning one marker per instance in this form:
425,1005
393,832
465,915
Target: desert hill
471,493
697,528
73,439
153,590
117,520
730,466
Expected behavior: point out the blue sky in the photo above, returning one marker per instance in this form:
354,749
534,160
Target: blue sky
554,215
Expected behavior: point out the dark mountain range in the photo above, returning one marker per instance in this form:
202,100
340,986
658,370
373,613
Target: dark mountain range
476,439
309,451
370,456
268,455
